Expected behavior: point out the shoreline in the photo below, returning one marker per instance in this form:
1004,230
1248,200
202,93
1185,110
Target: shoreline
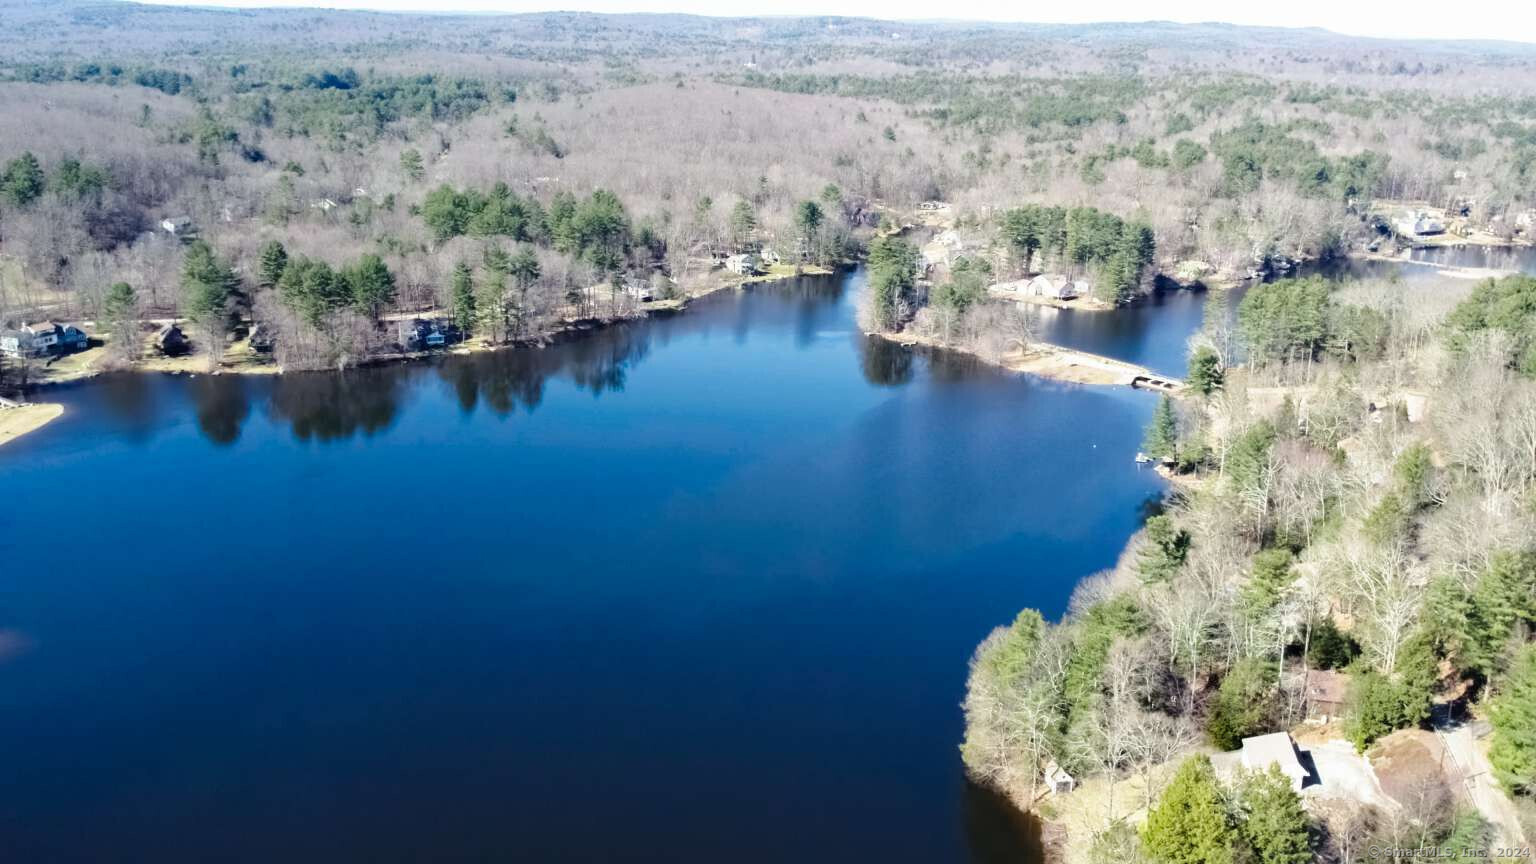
573,328
17,421
1055,362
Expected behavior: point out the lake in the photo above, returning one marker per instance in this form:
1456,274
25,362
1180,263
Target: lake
698,589
701,588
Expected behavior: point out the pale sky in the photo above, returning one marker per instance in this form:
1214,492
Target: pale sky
1413,19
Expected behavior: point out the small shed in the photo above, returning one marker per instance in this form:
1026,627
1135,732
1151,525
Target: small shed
1327,692
1262,751
1057,780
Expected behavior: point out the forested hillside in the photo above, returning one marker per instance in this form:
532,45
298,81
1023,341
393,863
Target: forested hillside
443,147
1355,498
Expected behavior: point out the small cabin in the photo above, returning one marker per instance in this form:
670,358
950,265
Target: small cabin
262,340
170,341
1275,749
1327,692
1057,780
419,334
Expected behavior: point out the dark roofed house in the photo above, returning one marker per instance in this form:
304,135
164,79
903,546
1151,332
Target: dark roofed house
419,334
262,340
171,341
1327,692
72,338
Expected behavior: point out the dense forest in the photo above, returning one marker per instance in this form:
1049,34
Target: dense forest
619,158
1323,519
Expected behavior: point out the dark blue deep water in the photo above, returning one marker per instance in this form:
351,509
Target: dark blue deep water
699,589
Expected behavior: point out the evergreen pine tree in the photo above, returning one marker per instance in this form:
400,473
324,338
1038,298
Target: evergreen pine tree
463,298
22,181
743,223
121,313
1190,825
410,163
1162,440
274,259
371,285
1205,374
1274,826
1513,752
1167,547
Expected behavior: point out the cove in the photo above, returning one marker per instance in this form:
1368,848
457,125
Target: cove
701,588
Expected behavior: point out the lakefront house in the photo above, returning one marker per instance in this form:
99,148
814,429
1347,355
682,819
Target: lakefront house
43,339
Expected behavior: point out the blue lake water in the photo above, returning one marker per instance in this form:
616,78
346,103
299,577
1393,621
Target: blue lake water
701,588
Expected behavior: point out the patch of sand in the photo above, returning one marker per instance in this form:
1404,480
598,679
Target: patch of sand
16,422
1054,362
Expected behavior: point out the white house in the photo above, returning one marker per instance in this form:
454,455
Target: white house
42,338
177,225
742,265
1057,780
1276,748
638,289
1417,223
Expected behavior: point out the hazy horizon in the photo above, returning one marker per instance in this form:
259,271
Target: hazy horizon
1512,25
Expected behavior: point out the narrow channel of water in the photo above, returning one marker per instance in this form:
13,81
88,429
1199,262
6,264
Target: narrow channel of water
1155,333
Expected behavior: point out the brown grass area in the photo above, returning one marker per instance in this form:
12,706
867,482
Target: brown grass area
1409,761
1087,810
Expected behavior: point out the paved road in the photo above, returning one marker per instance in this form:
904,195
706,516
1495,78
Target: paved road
1482,788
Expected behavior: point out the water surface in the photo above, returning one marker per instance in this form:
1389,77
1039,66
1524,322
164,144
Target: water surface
698,589
1155,332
